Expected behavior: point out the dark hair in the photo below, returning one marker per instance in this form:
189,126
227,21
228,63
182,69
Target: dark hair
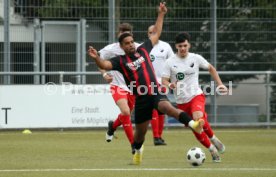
125,27
182,37
123,36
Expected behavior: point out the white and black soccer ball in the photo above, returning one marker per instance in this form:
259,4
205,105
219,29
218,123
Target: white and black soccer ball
196,156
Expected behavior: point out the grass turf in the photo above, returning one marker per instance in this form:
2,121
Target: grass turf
249,152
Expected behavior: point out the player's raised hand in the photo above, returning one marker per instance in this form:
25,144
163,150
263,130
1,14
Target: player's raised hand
222,90
93,53
162,8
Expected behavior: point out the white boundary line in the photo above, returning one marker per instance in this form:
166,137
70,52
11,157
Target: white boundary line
139,169
39,132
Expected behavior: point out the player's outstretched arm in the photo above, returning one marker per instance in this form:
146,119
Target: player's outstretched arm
213,72
162,10
103,64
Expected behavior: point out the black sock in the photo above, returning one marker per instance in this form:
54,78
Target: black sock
184,118
137,145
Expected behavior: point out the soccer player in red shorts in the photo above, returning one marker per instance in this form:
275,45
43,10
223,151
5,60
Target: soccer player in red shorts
181,73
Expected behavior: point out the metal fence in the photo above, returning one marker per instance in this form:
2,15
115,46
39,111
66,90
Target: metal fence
233,35
39,36
249,102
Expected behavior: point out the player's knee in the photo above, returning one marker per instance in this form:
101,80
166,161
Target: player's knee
197,115
125,112
163,107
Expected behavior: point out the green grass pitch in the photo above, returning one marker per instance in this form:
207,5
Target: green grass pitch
84,153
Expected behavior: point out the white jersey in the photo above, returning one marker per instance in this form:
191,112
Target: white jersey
158,55
185,71
110,51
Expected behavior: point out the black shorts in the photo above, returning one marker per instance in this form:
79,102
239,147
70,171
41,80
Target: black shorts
144,106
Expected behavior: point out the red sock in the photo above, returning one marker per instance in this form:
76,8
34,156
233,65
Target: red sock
117,122
207,128
203,139
154,124
127,125
161,119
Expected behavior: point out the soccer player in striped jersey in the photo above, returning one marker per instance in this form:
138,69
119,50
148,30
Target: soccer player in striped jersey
158,55
181,74
121,94
139,75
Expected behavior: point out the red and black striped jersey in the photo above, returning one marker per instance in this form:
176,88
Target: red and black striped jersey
137,70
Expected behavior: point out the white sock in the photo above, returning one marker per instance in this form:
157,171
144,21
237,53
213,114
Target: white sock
211,148
191,123
213,138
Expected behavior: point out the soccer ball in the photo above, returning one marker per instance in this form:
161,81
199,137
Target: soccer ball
196,156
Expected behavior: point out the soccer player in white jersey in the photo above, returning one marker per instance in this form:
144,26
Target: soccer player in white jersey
121,94
158,55
181,74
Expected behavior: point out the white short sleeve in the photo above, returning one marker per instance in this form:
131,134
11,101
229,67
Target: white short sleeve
170,51
105,54
166,70
203,63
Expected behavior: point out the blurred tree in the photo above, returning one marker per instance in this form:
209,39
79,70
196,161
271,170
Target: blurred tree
246,39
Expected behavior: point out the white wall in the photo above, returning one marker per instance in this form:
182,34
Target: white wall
56,106
250,91
54,33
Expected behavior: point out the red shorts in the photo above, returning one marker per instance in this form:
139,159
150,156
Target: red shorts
119,93
196,104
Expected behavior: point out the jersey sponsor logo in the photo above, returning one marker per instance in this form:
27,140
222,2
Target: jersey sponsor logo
180,76
157,57
152,58
137,55
136,64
